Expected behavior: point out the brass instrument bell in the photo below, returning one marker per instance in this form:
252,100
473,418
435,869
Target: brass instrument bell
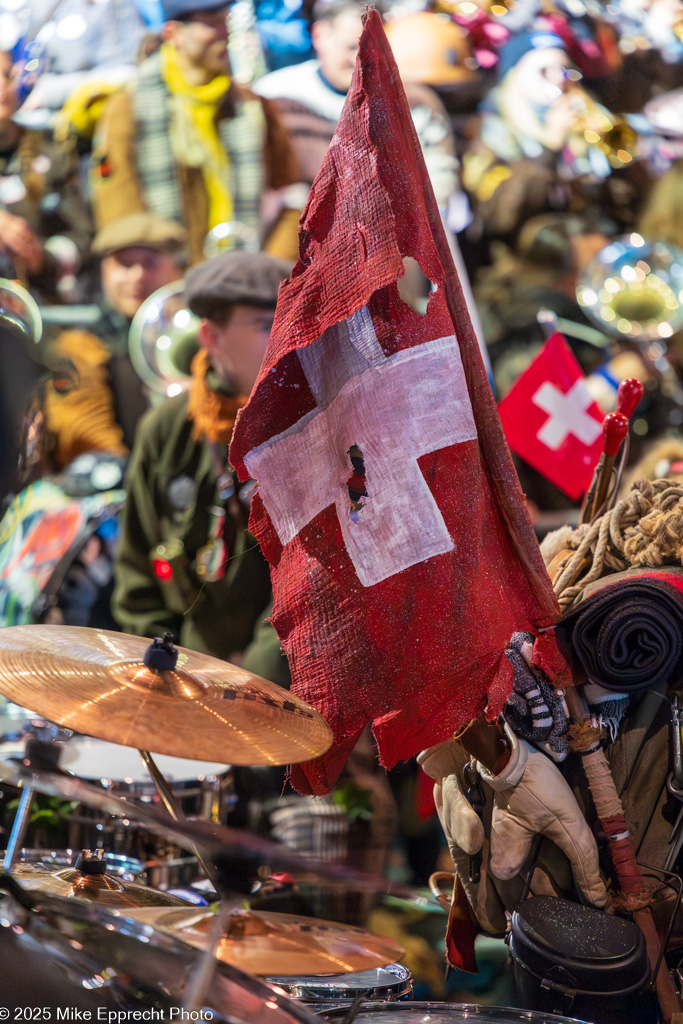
18,308
163,340
634,289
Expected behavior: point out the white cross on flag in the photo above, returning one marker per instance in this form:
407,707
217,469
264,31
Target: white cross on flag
401,552
552,421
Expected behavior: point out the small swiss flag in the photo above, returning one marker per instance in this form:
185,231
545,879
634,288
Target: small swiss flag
552,421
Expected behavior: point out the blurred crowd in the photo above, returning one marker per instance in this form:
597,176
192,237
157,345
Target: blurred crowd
155,158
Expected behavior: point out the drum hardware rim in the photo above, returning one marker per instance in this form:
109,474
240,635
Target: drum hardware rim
303,987
474,1010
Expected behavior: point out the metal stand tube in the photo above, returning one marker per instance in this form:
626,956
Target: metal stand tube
171,805
16,840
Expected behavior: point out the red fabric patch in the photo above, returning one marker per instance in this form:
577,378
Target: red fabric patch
424,795
547,404
549,660
461,931
418,653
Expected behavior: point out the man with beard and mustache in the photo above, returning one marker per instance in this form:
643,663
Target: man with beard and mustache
184,141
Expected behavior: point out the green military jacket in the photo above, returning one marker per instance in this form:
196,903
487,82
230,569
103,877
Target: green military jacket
171,488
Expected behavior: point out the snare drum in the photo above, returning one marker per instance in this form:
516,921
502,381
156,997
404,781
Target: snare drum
444,1013
328,991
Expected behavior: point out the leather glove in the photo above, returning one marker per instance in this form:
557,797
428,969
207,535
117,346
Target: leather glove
532,797
464,832
459,821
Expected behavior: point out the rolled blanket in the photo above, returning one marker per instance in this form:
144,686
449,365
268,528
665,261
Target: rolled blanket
627,635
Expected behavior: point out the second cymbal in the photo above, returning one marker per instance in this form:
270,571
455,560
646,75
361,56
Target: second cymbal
218,842
264,943
176,702
88,882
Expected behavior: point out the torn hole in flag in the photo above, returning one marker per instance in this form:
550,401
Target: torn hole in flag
414,287
356,483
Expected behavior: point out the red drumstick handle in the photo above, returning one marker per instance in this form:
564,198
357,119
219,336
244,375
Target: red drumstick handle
614,430
628,396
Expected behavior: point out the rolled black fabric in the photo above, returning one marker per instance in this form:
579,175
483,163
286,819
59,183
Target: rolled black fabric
629,635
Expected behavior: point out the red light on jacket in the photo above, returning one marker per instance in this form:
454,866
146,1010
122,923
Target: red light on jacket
162,568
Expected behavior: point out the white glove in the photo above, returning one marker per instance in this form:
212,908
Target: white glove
532,797
459,820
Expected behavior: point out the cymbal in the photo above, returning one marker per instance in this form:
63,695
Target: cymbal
96,682
220,843
65,952
102,888
266,943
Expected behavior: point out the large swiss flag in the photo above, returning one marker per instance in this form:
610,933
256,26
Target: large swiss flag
401,552
552,421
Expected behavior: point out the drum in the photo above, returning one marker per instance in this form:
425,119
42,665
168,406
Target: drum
326,992
202,790
444,1013
13,721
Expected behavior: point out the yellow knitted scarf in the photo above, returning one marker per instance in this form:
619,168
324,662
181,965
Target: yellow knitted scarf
194,132
212,411
82,419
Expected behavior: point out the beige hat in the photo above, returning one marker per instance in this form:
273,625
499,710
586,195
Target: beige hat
140,229
431,49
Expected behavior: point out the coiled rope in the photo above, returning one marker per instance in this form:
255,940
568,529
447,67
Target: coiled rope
643,529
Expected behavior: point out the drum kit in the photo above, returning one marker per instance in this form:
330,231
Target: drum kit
83,930
100,696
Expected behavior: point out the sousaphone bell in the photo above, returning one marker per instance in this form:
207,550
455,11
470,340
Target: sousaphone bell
18,309
163,337
633,290
163,340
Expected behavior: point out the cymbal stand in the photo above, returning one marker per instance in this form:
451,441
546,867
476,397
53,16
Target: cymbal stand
171,804
162,657
43,744
20,824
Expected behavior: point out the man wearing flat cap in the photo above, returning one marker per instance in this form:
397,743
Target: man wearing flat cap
100,412
184,141
186,563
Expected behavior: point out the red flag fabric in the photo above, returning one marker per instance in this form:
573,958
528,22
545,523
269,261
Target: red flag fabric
551,420
461,931
402,555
